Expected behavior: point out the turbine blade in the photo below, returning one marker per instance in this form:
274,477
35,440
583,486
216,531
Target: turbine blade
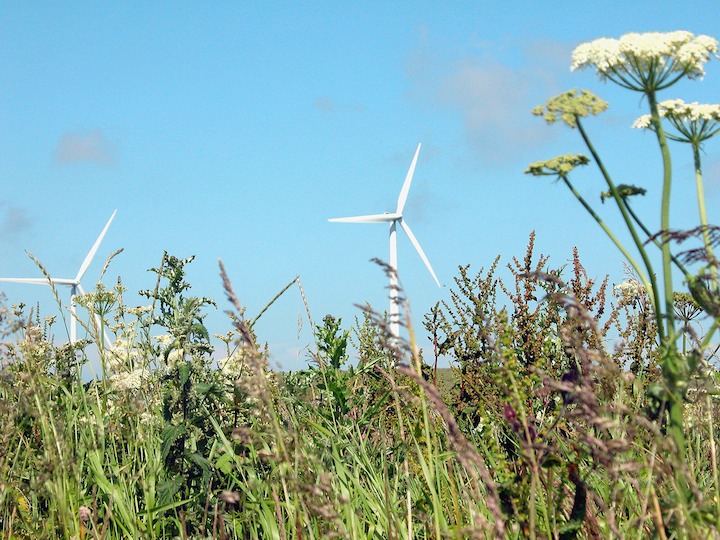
372,218
406,185
34,281
93,250
415,243
41,281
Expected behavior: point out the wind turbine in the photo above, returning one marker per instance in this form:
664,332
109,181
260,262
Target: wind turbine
73,283
394,219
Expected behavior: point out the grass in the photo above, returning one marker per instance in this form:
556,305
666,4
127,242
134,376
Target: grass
536,431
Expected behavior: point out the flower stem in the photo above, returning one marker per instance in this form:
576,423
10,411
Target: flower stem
674,366
703,212
611,235
652,289
665,219
680,266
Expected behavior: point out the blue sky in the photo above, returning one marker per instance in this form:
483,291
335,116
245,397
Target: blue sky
234,130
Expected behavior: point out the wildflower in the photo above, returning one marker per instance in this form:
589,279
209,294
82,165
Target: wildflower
23,504
629,291
139,311
624,190
559,165
122,355
129,381
686,308
646,62
84,514
569,106
236,365
164,339
696,122
98,301
230,497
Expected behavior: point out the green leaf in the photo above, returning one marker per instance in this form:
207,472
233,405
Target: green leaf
184,372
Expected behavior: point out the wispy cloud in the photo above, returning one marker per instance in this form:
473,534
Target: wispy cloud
85,147
324,104
13,219
493,97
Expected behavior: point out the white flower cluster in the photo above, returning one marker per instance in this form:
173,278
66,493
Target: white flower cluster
164,339
235,366
175,354
630,290
122,355
139,311
641,54
679,110
129,381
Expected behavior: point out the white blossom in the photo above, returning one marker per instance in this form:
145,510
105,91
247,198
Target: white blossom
129,381
121,355
164,339
644,122
629,290
647,61
695,121
234,366
138,311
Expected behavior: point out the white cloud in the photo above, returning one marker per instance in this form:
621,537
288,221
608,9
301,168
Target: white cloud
324,104
85,147
13,220
493,98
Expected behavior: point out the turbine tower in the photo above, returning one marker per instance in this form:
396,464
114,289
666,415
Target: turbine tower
394,219
73,283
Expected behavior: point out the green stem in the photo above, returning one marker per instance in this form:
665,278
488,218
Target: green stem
665,220
703,211
680,266
609,233
705,343
674,366
653,291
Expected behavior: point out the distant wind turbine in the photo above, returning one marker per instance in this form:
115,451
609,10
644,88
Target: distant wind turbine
73,283
394,219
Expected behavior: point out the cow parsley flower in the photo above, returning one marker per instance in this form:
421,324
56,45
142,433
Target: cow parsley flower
122,355
569,106
164,339
646,62
624,191
696,122
129,381
557,166
629,291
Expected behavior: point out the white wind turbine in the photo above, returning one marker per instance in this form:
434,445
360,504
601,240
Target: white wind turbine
395,218
73,283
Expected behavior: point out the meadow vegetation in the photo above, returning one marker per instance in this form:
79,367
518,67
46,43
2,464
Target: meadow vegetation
573,408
